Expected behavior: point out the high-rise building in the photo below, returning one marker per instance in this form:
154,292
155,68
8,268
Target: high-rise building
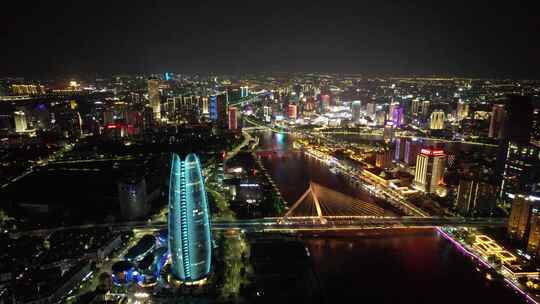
233,118
244,91
535,132
475,196
20,121
437,120
496,125
429,172
521,170
370,108
388,132
415,106
292,111
219,106
514,146
189,224
400,144
380,118
383,159
204,105
518,222
462,111
154,97
267,113
412,147
424,110
533,242
213,112
397,116
356,107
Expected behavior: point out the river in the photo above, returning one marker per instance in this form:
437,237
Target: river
385,266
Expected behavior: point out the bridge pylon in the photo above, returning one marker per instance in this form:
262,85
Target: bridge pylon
316,204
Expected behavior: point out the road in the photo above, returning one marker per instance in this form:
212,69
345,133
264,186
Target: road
235,150
301,223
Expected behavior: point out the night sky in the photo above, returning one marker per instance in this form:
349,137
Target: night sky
479,38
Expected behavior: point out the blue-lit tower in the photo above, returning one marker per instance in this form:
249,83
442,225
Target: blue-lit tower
189,225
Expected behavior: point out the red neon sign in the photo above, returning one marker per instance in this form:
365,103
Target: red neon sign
432,152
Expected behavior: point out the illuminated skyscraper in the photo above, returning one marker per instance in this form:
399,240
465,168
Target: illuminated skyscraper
437,120
496,125
244,91
233,118
20,121
380,117
388,132
430,166
533,242
292,112
462,111
383,158
154,97
356,107
205,109
412,147
397,116
222,110
399,149
518,222
475,196
521,169
189,225
535,132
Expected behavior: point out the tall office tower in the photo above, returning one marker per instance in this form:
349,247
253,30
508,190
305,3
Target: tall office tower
535,132
400,144
518,222
429,172
515,136
20,121
496,125
388,132
521,170
437,120
416,105
233,118
244,91
533,243
132,198
154,97
213,112
383,159
267,113
424,110
397,116
325,102
475,196
356,107
292,111
370,108
462,110
380,118
222,107
204,105
189,225
412,147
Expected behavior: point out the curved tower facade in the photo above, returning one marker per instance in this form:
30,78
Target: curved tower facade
189,224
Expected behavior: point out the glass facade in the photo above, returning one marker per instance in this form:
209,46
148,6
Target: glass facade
189,225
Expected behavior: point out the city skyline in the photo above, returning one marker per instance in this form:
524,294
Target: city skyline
269,152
